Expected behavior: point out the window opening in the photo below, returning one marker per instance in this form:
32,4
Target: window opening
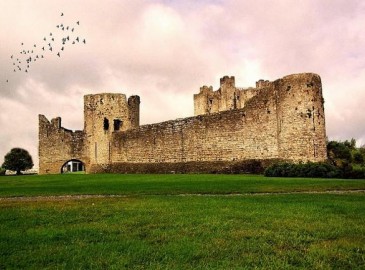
117,124
106,124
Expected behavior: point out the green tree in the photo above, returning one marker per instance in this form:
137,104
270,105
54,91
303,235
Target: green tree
339,152
358,158
18,160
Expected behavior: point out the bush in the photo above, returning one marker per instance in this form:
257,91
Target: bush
321,170
2,171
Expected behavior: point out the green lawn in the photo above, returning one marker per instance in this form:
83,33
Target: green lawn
164,184
152,228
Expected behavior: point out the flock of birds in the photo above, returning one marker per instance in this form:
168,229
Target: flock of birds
51,43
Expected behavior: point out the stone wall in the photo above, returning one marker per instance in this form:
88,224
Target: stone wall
283,119
58,145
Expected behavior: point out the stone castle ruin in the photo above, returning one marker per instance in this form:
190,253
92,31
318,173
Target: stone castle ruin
279,120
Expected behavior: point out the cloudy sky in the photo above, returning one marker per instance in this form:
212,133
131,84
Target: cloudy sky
164,50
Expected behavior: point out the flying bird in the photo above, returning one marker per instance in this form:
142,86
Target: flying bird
59,54
78,22
61,13
7,80
84,41
77,39
43,48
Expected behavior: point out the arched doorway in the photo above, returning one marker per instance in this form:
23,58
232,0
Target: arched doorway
73,166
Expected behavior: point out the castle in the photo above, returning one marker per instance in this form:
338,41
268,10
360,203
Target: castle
282,119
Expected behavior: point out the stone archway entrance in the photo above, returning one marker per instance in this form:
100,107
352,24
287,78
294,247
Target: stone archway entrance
73,166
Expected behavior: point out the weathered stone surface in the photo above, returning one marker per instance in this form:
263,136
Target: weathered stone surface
283,119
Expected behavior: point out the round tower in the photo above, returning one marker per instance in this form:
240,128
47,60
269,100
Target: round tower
300,118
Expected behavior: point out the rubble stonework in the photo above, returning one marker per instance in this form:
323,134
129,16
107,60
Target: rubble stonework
283,119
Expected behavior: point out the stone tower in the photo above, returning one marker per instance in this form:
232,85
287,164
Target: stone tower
104,114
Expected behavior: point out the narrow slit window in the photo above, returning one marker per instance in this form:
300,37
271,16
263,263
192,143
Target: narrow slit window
106,124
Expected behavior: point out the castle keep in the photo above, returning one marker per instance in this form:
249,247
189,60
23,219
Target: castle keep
283,119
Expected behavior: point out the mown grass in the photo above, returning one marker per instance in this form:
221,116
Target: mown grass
154,228
164,184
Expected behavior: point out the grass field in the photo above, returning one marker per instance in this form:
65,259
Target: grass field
181,222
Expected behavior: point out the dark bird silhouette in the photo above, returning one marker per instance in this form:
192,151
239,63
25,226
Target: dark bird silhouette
35,45
50,34
42,56
11,57
43,48
59,54
84,41
49,44
62,48
72,29
50,48
62,14
22,43
77,39
68,37
58,26
52,39
26,71
67,28
63,28
78,22
14,70
7,80
73,42
44,39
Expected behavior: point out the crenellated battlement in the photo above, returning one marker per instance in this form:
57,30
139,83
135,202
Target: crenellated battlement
227,81
206,89
262,83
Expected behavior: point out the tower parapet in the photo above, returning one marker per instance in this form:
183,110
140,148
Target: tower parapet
227,81
262,83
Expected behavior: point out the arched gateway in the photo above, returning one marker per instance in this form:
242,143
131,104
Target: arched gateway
73,165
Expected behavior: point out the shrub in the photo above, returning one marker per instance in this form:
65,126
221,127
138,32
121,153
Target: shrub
2,171
321,170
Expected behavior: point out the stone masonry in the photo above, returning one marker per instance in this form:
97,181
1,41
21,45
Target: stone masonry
282,119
